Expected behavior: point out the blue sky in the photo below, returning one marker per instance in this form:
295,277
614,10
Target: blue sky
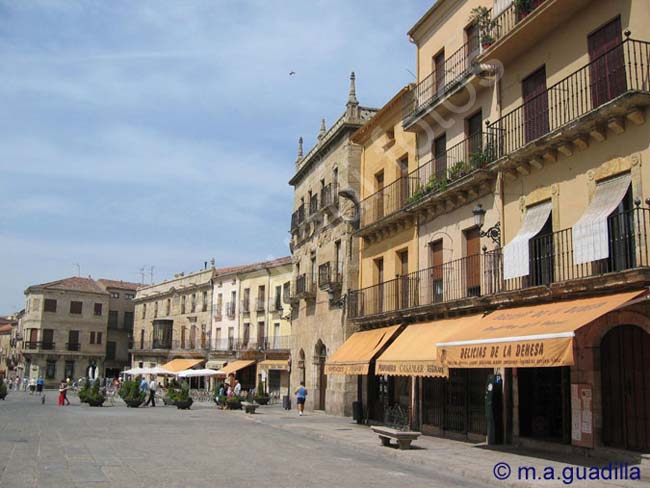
164,132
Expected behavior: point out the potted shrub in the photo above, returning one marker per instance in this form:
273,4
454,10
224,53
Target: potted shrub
458,170
95,397
3,390
260,396
481,17
84,391
523,8
183,401
131,394
170,397
233,403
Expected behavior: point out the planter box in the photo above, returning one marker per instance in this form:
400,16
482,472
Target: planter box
96,402
2,396
133,403
168,401
262,400
184,404
234,405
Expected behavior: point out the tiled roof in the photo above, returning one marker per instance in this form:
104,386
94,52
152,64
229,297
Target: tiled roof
74,283
4,329
122,285
274,263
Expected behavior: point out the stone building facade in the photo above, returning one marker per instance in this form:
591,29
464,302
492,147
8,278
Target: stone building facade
326,191
173,319
65,328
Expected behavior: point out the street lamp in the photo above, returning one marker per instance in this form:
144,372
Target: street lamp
493,232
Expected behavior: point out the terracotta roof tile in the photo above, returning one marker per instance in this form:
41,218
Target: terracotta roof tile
74,283
122,285
255,266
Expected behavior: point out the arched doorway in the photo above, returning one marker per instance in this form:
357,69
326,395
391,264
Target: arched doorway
625,377
320,355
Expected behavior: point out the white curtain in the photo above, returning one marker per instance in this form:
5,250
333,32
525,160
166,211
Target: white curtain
590,235
499,6
516,257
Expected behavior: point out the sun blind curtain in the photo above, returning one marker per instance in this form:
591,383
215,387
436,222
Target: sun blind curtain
590,234
516,254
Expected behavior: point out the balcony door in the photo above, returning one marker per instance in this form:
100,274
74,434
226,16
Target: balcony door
260,334
472,262
439,70
48,339
437,284
535,105
474,131
403,165
622,249
607,68
379,191
73,340
541,252
439,151
379,279
403,263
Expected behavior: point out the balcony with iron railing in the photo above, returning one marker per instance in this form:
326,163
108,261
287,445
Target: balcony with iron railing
39,345
273,343
313,205
329,276
231,310
600,95
455,70
305,286
328,197
72,346
275,304
298,217
551,265
464,162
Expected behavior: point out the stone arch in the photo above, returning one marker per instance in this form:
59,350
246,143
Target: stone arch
320,356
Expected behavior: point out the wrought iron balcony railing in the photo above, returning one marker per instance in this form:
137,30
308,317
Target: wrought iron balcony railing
313,205
305,286
451,75
460,160
298,217
39,345
230,310
506,21
328,276
263,344
328,196
551,261
73,346
625,68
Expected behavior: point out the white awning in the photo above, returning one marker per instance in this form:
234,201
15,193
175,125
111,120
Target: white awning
590,235
516,256
195,373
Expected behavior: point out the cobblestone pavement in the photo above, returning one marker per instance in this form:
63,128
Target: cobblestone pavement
50,446
45,445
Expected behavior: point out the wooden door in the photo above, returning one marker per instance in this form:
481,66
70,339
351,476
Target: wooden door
535,105
403,259
48,338
260,334
439,70
440,157
624,353
379,191
472,47
472,261
379,298
322,378
474,134
455,416
437,282
33,337
622,236
607,68
404,182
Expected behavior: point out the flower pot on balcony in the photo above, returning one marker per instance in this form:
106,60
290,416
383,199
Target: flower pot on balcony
486,44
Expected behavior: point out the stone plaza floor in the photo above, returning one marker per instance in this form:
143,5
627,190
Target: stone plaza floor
43,445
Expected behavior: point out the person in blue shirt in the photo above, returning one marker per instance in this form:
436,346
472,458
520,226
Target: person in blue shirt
39,385
301,395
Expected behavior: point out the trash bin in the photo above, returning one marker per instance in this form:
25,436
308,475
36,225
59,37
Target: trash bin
286,402
357,412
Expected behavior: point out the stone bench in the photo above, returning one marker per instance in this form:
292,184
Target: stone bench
249,407
403,438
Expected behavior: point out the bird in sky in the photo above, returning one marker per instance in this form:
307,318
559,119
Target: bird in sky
291,73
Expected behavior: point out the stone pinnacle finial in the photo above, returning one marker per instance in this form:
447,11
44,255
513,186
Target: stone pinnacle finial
322,129
300,148
352,97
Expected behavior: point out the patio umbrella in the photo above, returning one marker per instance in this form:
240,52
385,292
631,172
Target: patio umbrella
195,373
134,371
158,371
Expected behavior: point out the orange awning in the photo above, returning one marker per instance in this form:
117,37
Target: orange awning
539,335
233,367
414,352
176,365
354,356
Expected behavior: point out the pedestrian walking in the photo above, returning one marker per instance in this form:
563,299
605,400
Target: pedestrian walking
39,385
153,386
63,388
144,386
32,385
301,395
25,383
17,383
